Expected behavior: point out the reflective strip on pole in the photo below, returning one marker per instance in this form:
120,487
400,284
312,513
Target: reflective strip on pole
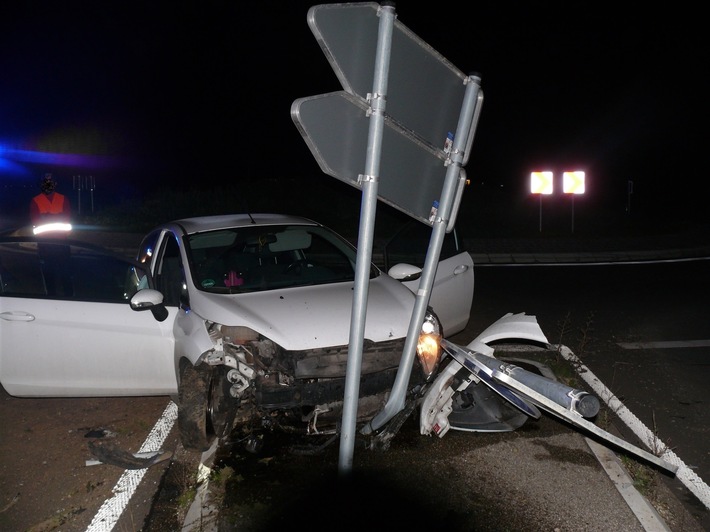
46,228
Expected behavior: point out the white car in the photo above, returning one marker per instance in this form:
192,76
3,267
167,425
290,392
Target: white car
243,319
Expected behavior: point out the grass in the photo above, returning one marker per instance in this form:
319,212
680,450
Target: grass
644,478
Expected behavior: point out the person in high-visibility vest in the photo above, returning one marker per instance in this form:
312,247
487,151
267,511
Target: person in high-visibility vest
50,214
50,211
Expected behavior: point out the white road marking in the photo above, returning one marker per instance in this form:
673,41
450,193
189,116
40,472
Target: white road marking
688,477
202,516
111,510
664,345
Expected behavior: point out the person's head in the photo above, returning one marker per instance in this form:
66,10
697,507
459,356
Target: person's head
47,184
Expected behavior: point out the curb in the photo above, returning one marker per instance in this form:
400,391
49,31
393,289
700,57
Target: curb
203,515
645,512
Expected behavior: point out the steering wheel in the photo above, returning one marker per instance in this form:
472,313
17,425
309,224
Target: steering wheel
297,265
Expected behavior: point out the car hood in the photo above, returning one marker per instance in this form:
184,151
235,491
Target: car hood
312,317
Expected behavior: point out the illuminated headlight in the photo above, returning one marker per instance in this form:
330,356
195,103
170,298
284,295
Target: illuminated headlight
429,345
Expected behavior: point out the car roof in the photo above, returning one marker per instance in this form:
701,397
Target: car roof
208,223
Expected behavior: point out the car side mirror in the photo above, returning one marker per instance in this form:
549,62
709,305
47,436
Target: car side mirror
405,272
149,299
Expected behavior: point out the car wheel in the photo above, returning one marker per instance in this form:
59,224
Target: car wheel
221,407
205,408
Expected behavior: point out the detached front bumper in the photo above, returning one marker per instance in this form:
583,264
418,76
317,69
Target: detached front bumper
521,392
496,408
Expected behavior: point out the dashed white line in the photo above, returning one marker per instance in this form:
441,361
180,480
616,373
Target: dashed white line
664,345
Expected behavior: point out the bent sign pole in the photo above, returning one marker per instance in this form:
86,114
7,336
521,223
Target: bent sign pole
408,157
453,183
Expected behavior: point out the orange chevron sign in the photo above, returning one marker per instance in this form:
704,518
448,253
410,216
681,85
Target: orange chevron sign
541,182
573,182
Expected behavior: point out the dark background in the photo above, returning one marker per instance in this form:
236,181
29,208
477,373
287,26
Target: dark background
156,97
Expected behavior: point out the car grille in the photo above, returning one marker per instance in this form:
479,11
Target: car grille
332,362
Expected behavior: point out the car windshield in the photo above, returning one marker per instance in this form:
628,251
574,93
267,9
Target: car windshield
252,259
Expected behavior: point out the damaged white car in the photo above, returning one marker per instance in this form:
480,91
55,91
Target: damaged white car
246,323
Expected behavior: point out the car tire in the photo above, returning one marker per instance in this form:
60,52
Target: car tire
221,406
192,408
205,408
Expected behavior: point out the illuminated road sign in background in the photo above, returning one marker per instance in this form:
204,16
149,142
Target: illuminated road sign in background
542,183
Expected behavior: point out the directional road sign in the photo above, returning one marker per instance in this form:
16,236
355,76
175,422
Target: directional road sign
424,90
335,127
425,93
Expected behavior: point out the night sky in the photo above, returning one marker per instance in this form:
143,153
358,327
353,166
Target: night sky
143,95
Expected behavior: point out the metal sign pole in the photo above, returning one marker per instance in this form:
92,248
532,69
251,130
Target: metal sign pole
91,185
365,238
77,187
464,130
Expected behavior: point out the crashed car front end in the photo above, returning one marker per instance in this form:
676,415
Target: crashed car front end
262,316
302,391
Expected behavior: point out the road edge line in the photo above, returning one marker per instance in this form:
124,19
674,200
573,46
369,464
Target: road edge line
112,508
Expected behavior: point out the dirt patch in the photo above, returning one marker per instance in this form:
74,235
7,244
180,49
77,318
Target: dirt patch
45,482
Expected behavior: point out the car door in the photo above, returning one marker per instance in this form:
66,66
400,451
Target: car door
162,251
452,292
67,328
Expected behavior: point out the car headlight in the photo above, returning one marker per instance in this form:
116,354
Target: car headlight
429,344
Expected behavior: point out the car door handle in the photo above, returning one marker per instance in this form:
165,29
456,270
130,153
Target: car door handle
460,269
16,316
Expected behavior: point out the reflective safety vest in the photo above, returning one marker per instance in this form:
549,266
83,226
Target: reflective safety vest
47,206
50,213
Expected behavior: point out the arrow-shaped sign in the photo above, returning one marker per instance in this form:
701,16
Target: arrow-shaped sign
335,127
424,90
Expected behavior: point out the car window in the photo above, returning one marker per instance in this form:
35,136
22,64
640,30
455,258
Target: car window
63,270
170,275
411,243
250,259
147,248
20,271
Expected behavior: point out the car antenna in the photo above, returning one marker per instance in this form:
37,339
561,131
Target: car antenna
246,209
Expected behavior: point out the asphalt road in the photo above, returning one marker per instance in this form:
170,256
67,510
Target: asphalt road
641,329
